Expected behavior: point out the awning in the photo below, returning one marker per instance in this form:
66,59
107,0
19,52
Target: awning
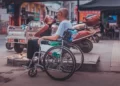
7,2
37,0
101,5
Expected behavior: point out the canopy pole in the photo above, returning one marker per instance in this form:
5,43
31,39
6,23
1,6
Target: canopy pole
78,10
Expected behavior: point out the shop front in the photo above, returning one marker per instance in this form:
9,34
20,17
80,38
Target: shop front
30,16
28,11
109,15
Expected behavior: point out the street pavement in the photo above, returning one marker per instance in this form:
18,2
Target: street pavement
19,77
78,79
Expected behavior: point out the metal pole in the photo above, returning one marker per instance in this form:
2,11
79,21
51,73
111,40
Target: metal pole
78,10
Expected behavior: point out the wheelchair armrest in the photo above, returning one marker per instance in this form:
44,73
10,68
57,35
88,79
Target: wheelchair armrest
71,29
54,40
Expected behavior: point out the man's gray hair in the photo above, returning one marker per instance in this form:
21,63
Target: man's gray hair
64,12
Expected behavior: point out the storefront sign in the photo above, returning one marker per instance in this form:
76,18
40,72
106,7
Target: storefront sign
36,16
10,8
84,14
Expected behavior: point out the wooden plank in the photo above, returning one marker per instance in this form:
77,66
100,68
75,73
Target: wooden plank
89,58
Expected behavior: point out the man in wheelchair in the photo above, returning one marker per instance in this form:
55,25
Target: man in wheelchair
33,45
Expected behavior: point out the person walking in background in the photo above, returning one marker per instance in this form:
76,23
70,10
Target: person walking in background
101,29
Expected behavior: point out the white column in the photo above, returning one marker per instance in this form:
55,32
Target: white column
70,10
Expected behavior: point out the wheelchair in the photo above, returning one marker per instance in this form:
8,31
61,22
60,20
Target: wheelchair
59,61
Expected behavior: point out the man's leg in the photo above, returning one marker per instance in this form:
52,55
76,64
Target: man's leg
32,48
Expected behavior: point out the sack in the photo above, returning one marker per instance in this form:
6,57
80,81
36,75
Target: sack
92,20
82,34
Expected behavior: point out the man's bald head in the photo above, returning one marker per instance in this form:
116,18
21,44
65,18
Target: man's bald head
64,12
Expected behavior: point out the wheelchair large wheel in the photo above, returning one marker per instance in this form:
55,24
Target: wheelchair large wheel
78,55
57,60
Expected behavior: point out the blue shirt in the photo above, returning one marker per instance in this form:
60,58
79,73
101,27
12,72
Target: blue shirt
64,25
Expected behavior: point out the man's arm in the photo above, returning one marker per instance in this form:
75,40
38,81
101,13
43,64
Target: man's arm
58,34
55,37
41,30
79,26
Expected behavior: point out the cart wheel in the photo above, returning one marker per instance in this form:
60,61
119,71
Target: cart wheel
8,46
86,45
32,72
17,48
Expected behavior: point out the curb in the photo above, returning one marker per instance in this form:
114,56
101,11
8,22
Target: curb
16,62
2,36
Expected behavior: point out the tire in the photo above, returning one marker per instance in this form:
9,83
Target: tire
8,46
17,48
80,62
86,45
73,67
32,72
97,38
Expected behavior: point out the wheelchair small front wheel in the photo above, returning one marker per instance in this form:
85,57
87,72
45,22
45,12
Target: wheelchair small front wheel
57,60
32,72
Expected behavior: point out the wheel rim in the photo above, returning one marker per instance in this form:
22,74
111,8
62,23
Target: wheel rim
55,66
86,46
17,48
8,46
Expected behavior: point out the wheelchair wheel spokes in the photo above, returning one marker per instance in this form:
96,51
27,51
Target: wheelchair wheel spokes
78,56
67,64
56,63
51,62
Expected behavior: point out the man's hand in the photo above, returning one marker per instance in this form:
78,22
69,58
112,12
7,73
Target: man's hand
39,40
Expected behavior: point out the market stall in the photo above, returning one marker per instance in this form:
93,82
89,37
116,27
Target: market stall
110,15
